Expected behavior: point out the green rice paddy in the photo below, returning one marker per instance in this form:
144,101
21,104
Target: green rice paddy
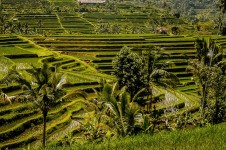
66,39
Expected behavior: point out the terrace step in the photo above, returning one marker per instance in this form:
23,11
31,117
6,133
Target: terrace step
62,62
104,67
176,69
182,48
21,56
102,61
13,42
9,118
83,50
81,84
183,74
106,56
107,71
9,38
188,88
89,38
181,51
187,82
70,65
15,107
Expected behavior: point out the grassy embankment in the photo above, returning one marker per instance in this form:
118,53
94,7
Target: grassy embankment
210,138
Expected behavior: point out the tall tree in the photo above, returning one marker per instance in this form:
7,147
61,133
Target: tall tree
222,15
0,6
43,86
156,74
217,97
207,69
129,68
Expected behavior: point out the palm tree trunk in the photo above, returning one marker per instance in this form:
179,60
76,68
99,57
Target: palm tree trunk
203,101
0,6
44,113
220,24
148,102
151,96
216,111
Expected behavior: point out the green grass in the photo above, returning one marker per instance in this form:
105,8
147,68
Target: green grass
33,61
11,50
210,138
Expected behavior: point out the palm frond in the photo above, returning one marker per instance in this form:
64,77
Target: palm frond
60,81
35,73
115,88
74,94
124,100
112,108
107,92
135,97
138,118
96,92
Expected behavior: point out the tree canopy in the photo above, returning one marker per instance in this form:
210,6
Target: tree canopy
130,70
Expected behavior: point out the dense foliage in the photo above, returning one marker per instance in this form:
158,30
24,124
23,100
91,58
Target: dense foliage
129,68
209,74
49,49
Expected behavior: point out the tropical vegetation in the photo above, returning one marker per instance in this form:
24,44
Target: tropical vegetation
80,75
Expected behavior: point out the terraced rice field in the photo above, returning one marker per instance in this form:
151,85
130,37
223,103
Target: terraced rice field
66,17
99,50
20,123
63,38
74,23
87,59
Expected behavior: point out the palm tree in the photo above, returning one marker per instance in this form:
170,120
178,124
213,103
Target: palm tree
43,86
156,75
222,6
0,6
209,56
124,114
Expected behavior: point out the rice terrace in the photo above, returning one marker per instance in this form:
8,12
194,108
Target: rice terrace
112,74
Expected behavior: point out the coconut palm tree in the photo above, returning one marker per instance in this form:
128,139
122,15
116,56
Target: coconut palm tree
156,75
0,6
222,6
125,114
210,58
43,86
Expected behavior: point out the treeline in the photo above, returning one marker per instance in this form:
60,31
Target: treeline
197,4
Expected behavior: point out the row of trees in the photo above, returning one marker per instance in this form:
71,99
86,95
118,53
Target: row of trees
191,10
7,27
